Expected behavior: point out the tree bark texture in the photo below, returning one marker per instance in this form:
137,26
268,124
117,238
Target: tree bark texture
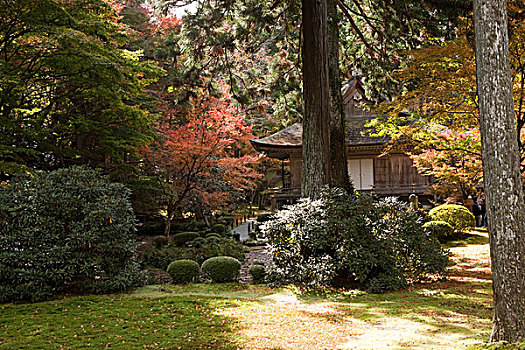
316,120
338,157
503,184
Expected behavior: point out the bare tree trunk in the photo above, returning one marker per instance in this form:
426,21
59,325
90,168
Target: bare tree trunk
167,226
338,155
503,184
316,95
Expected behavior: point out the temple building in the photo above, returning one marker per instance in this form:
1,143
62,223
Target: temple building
390,174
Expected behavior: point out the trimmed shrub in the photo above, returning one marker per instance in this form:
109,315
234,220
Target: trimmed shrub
258,262
180,239
193,226
263,217
439,229
199,250
160,241
219,228
198,241
458,216
227,220
235,235
69,230
213,234
351,240
183,271
222,268
258,272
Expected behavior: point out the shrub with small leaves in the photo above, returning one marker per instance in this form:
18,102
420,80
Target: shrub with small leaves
183,271
160,241
193,226
219,228
235,235
458,216
67,230
439,229
258,262
222,268
258,272
180,239
351,240
213,234
227,220
199,250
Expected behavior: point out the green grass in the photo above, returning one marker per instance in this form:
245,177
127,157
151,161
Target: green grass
119,322
451,314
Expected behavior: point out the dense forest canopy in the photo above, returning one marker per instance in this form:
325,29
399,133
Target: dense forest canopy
92,81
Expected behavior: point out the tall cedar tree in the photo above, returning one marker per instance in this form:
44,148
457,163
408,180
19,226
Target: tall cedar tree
316,96
338,161
503,183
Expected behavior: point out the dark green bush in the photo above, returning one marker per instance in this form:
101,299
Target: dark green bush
180,239
263,217
439,229
258,262
458,216
198,241
222,268
183,271
193,226
351,240
219,228
160,241
235,235
227,220
199,250
67,230
258,272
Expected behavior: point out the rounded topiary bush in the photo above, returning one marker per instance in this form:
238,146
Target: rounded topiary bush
193,226
183,271
439,229
258,272
222,268
67,230
182,238
219,228
458,216
160,241
235,235
213,234
258,262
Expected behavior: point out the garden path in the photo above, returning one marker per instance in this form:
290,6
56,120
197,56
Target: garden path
244,229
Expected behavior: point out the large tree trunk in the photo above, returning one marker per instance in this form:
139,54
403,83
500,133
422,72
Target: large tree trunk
338,157
316,120
503,184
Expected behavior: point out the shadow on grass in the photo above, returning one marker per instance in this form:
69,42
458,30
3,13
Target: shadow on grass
474,238
119,322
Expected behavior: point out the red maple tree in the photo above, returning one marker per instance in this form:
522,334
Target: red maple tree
207,158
